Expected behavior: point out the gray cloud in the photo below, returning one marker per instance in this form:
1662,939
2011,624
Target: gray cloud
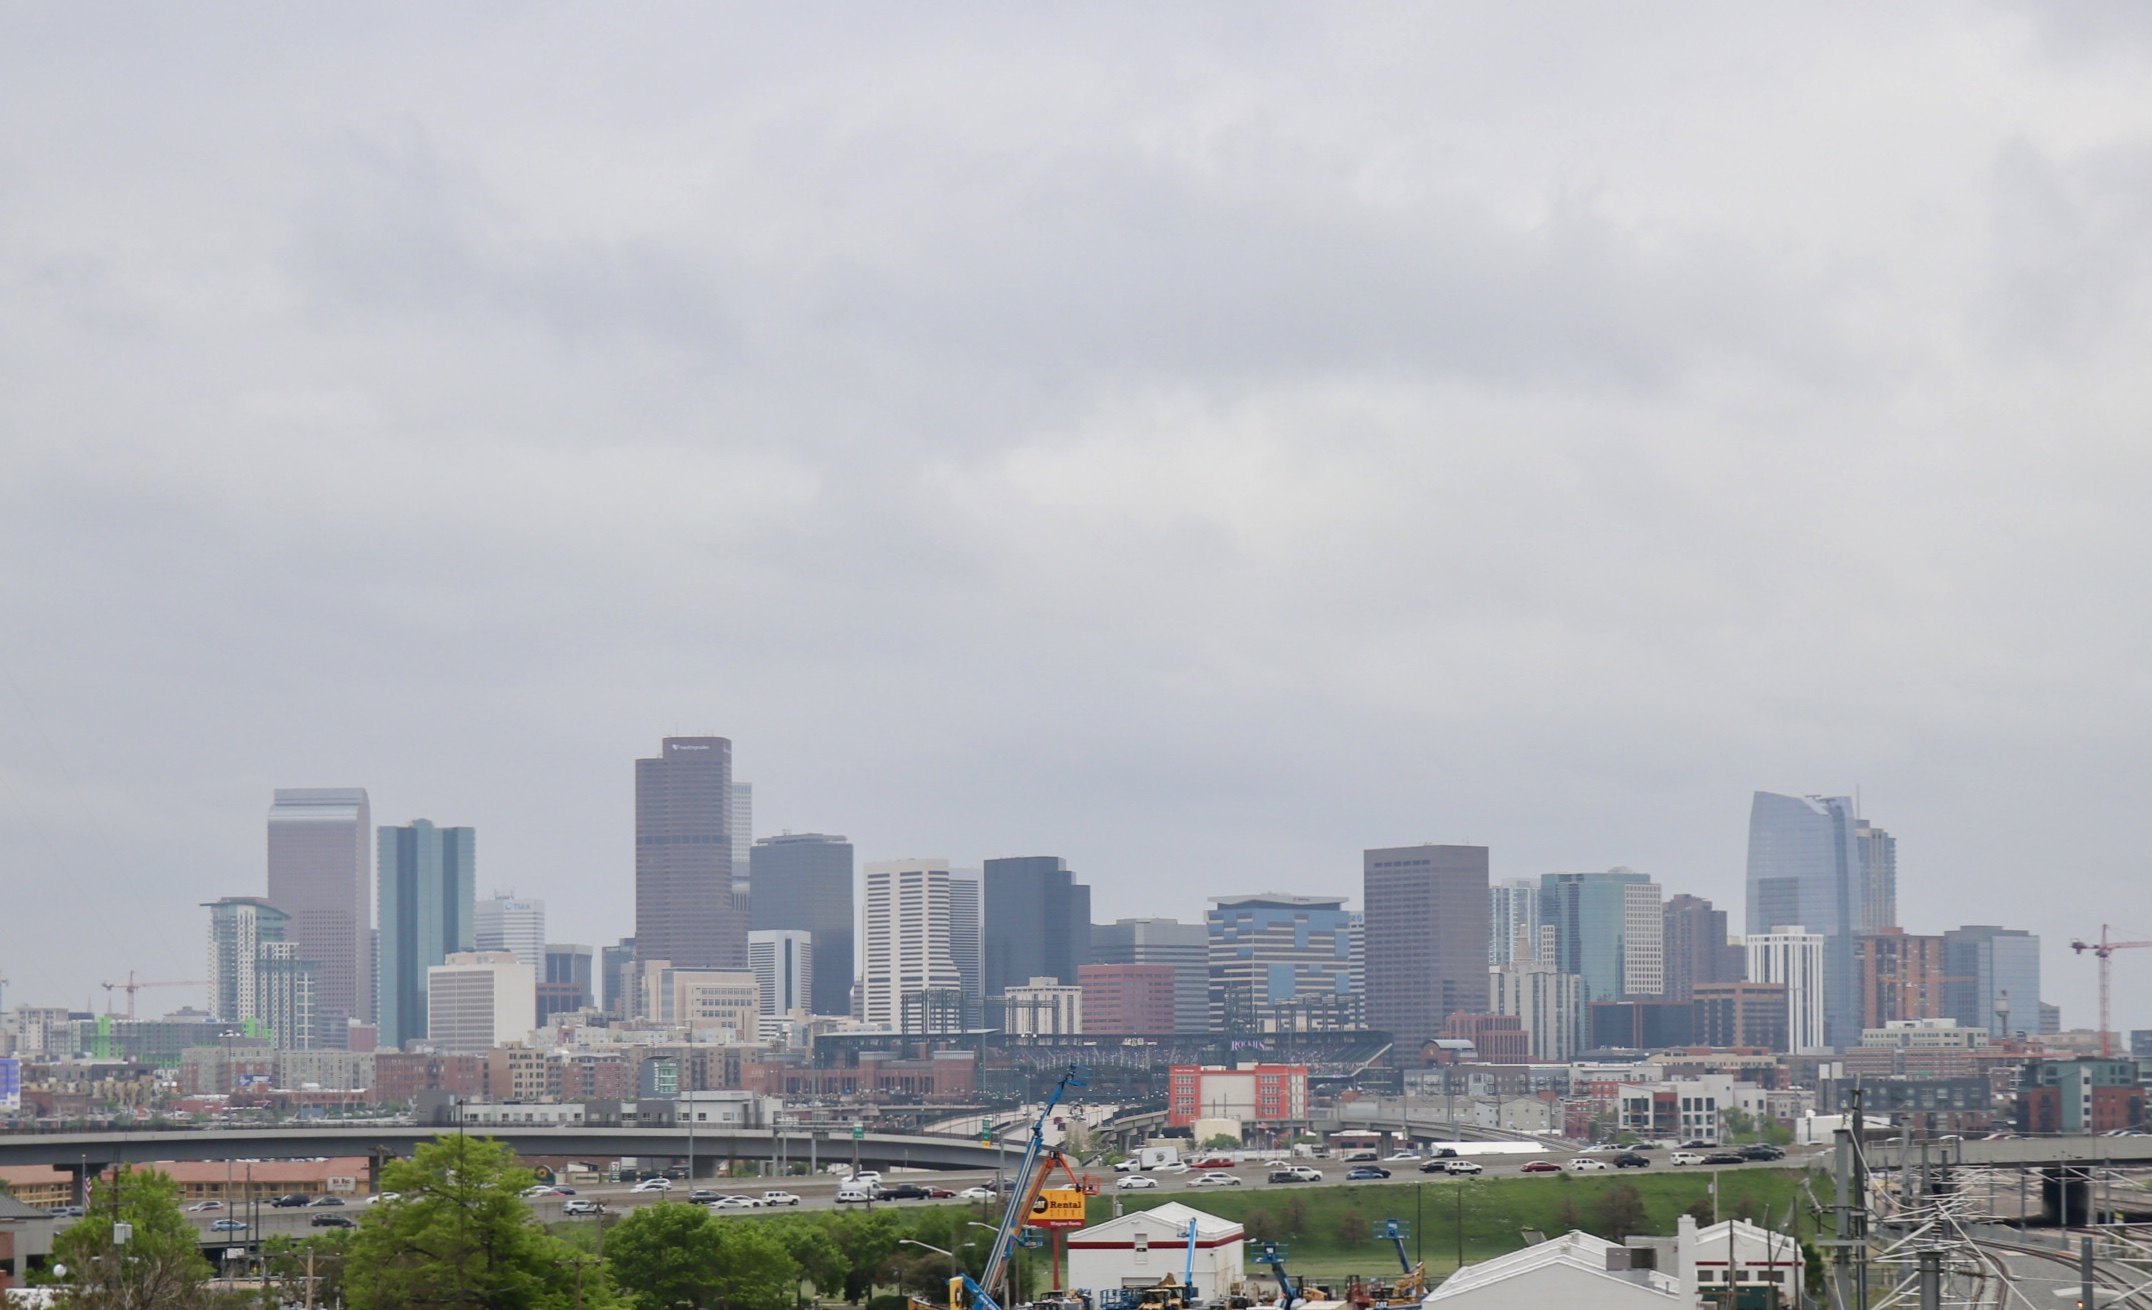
1200,444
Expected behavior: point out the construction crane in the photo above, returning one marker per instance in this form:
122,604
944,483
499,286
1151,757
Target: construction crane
1410,1288
132,985
1273,1254
1038,1164
2104,949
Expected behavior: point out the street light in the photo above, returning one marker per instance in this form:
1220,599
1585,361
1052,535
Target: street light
913,1241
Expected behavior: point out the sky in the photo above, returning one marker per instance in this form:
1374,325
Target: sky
1199,441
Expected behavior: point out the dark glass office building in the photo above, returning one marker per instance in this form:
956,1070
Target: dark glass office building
1424,953
685,912
429,888
803,883
1038,922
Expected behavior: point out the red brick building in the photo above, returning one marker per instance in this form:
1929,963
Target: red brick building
1251,1093
1127,998
1499,1038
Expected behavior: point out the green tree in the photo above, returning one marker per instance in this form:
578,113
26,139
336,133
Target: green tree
461,1238
158,1267
1222,1142
1620,1212
1700,1210
867,1241
815,1250
665,1255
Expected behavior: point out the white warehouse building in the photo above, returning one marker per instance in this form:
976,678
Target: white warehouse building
1140,1249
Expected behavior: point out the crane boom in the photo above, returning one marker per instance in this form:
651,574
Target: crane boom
1031,1174
2104,949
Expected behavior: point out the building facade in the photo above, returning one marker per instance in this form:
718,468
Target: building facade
803,883
1548,1004
967,940
320,873
477,1000
1426,936
1992,978
909,981
567,985
1606,928
428,879
703,999
1182,947
1749,1015
1795,958
1698,949
783,964
515,924
1042,1007
1252,1093
1280,960
1037,922
1902,976
1130,999
258,981
1809,864
1512,916
684,907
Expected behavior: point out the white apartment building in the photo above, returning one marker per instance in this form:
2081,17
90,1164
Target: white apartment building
1548,1005
478,1000
1794,956
1643,967
1043,1007
906,948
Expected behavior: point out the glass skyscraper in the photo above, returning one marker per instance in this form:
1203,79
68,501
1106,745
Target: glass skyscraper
802,882
429,879
1982,964
1607,928
1809,864
1037,922
685,911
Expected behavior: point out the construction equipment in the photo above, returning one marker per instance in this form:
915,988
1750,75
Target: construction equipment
1273,1254
2104,949
132,985
1409,1289
1032,1172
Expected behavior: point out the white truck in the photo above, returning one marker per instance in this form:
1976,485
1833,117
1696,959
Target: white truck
1150,1157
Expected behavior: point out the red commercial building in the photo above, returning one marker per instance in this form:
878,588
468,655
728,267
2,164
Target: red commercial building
1251,1093
1127,998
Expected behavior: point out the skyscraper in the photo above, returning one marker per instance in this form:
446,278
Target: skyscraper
319,875
616,978
684,909
967,944
1791,955
1037,922
429,877
803,883
742,819
783,960
1608,929
1184,946
1879,858
1809,865
1513,908
257,978
565,987
1901,976
1426,938
909,980
1697,947
1277,958
515,924
477,1000
1983,964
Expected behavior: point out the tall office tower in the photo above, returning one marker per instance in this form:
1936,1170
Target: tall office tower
1276,959
1697,950
1548,1004
783,962
742,818
967,941
908,979
1989,971
1792,956
238,925
1037,922
284,996
1879,858
1426,938
1184,946
1512,909
616,978
428,880
477,1000
684,911
804,884
515,924
565,986
1807,864
1902,976
319,875
1607,928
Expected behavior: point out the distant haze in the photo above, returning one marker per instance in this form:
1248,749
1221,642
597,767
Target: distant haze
1198,442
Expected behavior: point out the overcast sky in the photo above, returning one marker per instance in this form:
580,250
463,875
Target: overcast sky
1197,441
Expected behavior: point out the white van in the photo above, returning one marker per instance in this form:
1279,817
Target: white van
854,1190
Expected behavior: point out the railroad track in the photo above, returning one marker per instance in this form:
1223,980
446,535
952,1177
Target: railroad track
2103,1277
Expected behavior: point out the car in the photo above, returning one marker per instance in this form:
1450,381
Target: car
1362,1173
1405,1157
327,1201
1725,1157
867,1176
1435,1167
332,1221
1684,1157
582,1207
1584,1164
780,1198
1455,1167
1169,1167
976,1194
737,1203
1128,1166
201,1206
1760,1151
292,1202
1631,1160
908,1192
538,1190
1134,1183
704,1195
1212,1162
228,1226
65,1212
378,1197
1361,1156
653,1185
1215,1180
1442,1153
1541,1167
1296,1173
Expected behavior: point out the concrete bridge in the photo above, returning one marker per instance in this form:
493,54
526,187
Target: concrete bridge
84,1154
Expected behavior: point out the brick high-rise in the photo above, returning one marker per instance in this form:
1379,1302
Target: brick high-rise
684,908
1426,938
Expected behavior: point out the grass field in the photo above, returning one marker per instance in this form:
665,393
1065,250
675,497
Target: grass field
1328,1229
